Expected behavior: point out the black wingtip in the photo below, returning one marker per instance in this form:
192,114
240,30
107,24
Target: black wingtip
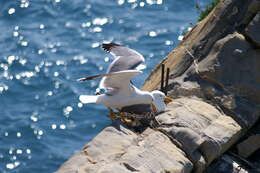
107,47
89,77
80,80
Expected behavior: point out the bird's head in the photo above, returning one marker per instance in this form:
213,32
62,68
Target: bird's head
160,101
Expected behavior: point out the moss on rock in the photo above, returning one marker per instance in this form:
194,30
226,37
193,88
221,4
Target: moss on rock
208,9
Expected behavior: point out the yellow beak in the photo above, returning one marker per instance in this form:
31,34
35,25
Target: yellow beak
168,100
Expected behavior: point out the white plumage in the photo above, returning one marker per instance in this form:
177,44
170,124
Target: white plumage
117,82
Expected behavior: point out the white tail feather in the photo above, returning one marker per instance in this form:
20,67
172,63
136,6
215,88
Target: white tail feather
88,98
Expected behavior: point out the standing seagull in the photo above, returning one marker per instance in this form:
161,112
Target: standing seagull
121,94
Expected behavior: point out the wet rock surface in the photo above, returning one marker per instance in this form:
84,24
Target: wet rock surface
215,83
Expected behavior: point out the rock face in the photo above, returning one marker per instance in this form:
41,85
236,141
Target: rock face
254,143
127,152
215,83
199,129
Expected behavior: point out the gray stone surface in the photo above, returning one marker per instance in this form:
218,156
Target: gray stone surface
249,146
121,150
199,128
232,66
252,29
228,17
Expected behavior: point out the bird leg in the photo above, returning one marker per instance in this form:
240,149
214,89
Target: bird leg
124,118
112,114
154,109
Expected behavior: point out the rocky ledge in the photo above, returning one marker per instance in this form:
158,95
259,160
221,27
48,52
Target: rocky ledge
212,124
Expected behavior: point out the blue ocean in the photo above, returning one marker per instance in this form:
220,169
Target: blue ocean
46,45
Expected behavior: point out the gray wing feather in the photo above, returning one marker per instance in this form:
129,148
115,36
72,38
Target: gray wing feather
116,80
125,58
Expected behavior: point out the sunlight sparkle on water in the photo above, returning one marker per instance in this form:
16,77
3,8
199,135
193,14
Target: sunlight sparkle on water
81,59
80,105
18,134
11,11
152,34
34,118
42,26
141,4
10,59
24,3
180,38
56,74
67,110
49,93
53,126
87,24
131,1
60,62
10,151
15,34
13,157
26,74
40,132
56,1
94,45
168,42
3,88
19,151
40,51
159,2
62,126
10,166
22,61
100,21
97,29
106,59
28,151
121,2
24,43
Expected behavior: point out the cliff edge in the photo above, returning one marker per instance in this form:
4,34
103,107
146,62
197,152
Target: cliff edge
215,83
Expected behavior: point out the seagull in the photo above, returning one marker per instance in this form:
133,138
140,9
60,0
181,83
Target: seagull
121,94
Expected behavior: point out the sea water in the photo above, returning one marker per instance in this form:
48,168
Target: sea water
45,45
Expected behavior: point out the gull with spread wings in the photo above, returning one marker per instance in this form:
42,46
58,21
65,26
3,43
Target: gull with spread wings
120,93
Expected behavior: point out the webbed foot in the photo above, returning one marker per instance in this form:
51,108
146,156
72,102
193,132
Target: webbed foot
112,114
124,118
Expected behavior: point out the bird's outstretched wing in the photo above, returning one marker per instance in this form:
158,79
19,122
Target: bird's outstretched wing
116,81
125,58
